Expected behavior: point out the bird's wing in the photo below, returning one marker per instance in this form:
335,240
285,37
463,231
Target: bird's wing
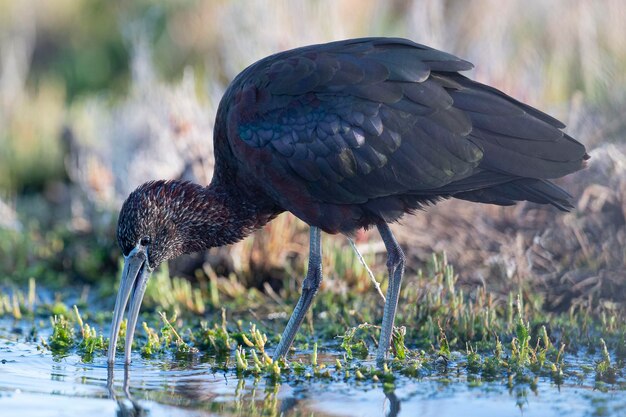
357,120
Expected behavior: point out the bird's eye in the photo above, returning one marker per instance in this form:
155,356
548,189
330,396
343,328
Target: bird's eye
145,241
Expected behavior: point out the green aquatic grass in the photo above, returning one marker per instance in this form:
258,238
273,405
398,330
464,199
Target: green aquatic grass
449,332
62,338
153,344
90,341
354,346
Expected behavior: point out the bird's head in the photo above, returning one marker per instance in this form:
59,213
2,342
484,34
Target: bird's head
152,228
146,223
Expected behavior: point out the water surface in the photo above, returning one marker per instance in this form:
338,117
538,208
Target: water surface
35,383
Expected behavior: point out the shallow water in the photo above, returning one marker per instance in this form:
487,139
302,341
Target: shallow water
34,383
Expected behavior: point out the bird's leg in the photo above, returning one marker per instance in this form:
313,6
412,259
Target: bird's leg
310,285
395,265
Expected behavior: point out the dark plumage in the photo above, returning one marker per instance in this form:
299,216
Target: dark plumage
346,135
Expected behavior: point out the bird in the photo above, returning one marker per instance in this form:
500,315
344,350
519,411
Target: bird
345,135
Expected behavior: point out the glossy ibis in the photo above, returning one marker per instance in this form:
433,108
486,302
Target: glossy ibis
344,135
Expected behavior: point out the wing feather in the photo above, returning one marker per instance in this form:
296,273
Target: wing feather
354,122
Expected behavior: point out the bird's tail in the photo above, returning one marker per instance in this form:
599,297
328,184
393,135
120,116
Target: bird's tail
529,189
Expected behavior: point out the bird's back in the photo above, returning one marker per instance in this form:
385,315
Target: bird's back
348,133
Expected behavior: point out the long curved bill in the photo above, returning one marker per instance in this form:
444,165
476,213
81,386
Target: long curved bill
132,286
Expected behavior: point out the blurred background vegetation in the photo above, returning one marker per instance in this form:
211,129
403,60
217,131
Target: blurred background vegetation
98,96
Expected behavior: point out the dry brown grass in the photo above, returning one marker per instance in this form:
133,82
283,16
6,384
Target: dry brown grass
575,257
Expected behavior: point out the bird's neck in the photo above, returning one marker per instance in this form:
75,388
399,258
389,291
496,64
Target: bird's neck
220,215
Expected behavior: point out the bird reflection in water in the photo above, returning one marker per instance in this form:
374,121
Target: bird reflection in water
272,399
127,406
